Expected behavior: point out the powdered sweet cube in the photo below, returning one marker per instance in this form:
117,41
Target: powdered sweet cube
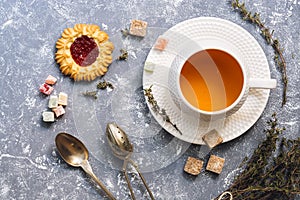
149,66
59,111
215,164
212,138
62,99
51,80
48,116
53,101
193,166
138,28
160,44
46,89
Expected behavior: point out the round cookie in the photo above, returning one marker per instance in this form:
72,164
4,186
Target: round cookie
84,52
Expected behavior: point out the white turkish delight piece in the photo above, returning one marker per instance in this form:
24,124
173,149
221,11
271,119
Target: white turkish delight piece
62,99
48,116
149,66
53,101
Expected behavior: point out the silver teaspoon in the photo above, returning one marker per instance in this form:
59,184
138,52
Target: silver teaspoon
122,148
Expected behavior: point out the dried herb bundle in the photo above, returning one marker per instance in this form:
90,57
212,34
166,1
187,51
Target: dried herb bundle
269,176
268,35
162,112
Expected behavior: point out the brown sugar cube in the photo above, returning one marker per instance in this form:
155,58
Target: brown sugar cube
193,166
161,44
212,139
215,164
138,28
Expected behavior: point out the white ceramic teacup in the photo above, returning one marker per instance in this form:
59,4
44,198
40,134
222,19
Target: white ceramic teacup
191,48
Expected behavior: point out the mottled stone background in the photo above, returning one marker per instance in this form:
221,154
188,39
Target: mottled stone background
30,167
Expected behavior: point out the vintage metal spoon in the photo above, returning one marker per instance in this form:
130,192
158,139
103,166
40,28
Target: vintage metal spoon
122,148
73,151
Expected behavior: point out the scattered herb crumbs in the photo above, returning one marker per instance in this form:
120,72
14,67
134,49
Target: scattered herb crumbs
101,85
124,55
125,32
293,55
104,84
91,94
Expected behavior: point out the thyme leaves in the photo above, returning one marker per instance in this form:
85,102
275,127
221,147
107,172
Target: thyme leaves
91,94
157,109
124,54
101,85
270,39
104,85
125,32
269,175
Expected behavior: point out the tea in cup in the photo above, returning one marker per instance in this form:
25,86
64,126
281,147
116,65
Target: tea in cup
211,80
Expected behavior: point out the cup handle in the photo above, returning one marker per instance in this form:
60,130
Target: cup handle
260,83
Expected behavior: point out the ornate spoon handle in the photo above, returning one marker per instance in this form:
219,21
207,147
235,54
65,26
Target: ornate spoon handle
142,177
88,169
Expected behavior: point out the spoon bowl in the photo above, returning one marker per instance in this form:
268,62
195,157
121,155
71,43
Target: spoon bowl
73,152
118,141
71,149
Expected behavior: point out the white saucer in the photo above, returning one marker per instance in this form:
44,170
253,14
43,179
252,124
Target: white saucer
198,29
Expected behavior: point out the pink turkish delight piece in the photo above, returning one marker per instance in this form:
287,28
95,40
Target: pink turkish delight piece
59,110
51,80
161,43
46,89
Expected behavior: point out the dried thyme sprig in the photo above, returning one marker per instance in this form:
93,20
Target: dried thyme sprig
91,94
162,112
125,32
268,35
124,54
100,85
104,84
266,176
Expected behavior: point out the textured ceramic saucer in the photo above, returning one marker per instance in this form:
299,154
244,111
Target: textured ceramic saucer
201,30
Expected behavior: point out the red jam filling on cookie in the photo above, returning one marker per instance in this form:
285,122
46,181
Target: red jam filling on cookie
84,51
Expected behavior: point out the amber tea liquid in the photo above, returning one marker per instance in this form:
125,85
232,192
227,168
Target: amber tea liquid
211,80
